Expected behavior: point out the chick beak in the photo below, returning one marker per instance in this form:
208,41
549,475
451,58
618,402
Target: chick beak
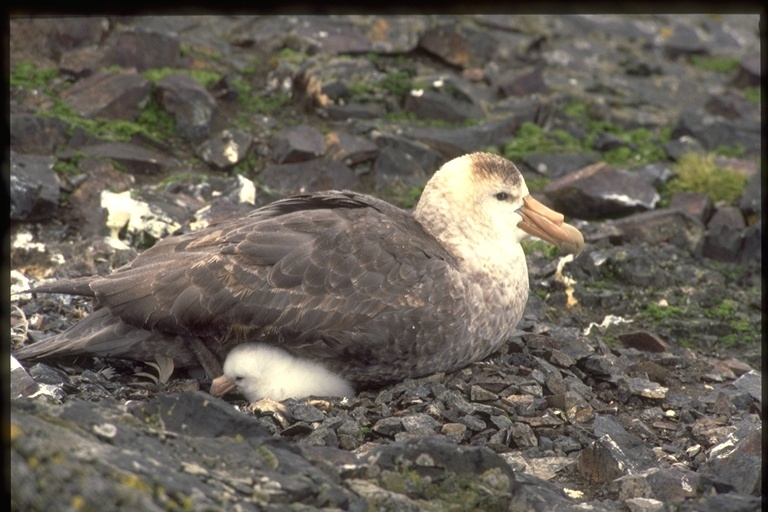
222,385
549,225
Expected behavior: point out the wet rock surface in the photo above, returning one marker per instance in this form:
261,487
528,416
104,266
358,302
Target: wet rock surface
635,379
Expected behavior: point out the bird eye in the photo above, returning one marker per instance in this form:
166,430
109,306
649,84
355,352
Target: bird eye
502,196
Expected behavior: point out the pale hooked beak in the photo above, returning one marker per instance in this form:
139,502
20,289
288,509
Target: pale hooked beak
541,222
222,385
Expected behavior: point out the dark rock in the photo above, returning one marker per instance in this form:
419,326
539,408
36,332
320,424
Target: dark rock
36,135
81,62
453,142
436,104
393,34
21,384
309,176
600,190
350,149
750,382
225,150
645,341
85,200
458,44
394,168
354,111
555,165
427,159
143,50
615,453
662,484
522,84
333,36
737,460
697,205
751,201
34,187
725,236
727,106
666,225
682,145
749,72
113,94
751,248
297,144
137,159
713,133
725,502
683,42
191,106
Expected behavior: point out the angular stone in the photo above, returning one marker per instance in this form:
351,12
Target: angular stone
392,34
643,387
643,505
21,384
116,94
683,42
456,432
350,149
191,106
331,35
615,453
388,426
737,460
645,341
354,111
34,187
666,225
749,72
600,190
37,135
436,104
697,205
751,382
397,169
453,142
143,50
137,159
725,236
751,199
420,422
85,200
426,158
458,44
663,484
226,149
555,165
523,83
141,222
297,144
309,176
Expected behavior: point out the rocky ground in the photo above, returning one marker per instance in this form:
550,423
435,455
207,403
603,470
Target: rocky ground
634,383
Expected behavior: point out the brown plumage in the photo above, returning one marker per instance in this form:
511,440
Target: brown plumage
371,292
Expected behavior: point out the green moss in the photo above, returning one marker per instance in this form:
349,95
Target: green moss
731,151
715,63
531,138
752,95
698,173
205,77
265,104
658,313
26,74
535,245
68,167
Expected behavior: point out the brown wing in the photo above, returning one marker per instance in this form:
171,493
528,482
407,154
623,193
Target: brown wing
340,277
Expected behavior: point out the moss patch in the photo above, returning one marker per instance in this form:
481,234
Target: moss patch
699,173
